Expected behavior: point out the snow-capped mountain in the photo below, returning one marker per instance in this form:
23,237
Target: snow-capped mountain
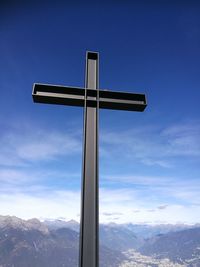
55,243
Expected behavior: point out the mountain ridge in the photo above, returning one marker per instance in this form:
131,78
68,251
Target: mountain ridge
52,243
22,245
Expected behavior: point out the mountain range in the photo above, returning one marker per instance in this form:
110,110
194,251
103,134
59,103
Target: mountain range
54,243
182,247
32,244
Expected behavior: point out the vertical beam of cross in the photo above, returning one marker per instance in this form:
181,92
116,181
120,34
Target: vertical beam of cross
91,98
89,232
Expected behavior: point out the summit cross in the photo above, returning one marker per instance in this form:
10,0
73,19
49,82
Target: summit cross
91,98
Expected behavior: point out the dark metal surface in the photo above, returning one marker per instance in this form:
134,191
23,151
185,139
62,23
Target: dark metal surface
89,233
91,98
61,95
74,96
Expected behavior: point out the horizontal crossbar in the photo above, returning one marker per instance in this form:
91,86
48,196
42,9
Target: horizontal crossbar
76,96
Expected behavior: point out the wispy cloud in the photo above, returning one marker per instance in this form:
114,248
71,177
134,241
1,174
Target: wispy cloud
154,145
141,180
30,181
21,146
183,139
44,146
28,192
162,207
51,204
156,193
152,210
138,208
117,205
148,145
136,211
112,213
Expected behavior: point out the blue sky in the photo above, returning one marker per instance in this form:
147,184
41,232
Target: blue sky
149,162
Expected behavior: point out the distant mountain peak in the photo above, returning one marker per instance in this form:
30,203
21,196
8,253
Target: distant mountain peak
72,221
17,223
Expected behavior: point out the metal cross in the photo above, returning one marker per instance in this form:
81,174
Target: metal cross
91,98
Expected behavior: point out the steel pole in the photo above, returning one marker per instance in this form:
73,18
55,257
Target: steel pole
89,224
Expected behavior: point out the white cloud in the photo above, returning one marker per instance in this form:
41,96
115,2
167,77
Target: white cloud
183,139
154,193
139,180
162,207
13,176
124,203
22,146
137,210
154,145
26,192
149,145
35,182
43,146
49,204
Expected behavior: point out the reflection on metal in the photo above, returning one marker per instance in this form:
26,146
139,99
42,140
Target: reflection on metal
91,98
74,96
